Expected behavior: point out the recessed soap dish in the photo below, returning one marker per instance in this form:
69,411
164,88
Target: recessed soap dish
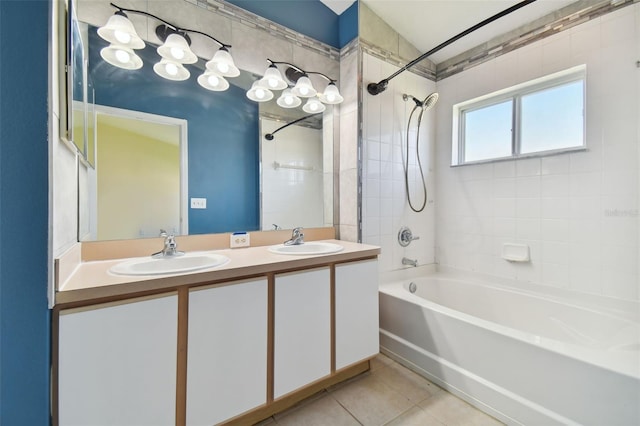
516,252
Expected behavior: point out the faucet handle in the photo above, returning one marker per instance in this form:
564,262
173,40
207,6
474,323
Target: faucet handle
297,231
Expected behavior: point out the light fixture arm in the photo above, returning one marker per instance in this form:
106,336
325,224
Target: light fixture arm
330,80
269,136
169,24
376,88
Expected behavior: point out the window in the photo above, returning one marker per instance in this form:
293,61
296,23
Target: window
542,116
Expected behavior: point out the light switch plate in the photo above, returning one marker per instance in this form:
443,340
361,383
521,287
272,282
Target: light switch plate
239,239
198,203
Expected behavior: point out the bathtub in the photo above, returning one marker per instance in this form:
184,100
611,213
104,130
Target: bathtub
522,356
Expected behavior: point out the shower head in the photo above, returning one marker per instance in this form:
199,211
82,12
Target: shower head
426,104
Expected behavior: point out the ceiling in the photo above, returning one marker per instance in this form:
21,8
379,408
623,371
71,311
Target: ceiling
427,23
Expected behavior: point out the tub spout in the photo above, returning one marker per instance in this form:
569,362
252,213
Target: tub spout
410,262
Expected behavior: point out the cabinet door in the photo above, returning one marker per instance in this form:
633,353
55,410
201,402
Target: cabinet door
117,363
227,351
357,328
302,335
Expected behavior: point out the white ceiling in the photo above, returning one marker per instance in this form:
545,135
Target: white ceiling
427,23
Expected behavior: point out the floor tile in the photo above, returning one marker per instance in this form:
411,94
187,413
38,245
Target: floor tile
371,401
413,417
453,411
321,412
413,386
380,361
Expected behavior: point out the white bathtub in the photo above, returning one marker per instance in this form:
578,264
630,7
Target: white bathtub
523,357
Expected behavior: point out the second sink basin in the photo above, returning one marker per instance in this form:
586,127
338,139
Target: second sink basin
169,265
310,248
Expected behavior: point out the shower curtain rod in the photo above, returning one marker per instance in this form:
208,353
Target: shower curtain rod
375,88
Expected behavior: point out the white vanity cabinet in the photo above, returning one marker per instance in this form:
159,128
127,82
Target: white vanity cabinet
117,363
302,329
356,312
227,351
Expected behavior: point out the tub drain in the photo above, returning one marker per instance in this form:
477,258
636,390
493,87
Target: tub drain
412,287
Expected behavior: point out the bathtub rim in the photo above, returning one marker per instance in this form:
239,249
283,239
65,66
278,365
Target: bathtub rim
579,353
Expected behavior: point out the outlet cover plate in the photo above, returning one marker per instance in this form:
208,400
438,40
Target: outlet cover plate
239,239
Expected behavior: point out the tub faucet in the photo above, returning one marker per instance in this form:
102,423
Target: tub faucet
297,238
170,247
410,262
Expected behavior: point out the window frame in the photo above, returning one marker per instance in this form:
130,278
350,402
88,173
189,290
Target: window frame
515,94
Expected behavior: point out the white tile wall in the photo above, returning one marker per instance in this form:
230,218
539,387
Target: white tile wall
578,212
385,208
290,196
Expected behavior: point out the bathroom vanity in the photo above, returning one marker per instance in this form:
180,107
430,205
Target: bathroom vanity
232,344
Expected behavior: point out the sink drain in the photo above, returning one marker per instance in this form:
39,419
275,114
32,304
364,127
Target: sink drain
412,287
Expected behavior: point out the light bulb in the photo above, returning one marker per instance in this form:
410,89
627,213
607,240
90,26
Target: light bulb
213,80
260,93
288,100
273,83
177,53
313,106
122,37
122,56
331,97
171,69
304,91
223,67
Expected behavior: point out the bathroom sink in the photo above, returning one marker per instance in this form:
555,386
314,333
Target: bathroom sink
169,265
307,248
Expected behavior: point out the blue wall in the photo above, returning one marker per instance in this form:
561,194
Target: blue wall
309,17
24,317
223,135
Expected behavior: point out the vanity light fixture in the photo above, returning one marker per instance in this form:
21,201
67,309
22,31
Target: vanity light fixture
313,105
272,79
212,81
171,70
303,88
119,31
175,51
331,95
288,100
258,93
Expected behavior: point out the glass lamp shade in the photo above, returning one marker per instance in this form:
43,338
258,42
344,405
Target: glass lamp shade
272,79
257,93
121,57
313,106
120,31
288,100
176,49
304,88
171,70
212,81
222,64
331,95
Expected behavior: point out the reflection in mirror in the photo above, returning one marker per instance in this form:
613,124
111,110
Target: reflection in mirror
222,163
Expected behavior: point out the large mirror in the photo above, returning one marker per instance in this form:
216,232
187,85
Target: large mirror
173,156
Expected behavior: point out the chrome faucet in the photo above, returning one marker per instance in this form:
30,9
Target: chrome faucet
410,262
297,238
170,247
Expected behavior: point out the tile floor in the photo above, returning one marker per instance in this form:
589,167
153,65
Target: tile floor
389,394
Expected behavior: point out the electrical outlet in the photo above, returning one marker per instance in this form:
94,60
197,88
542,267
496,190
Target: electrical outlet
198,203
239,239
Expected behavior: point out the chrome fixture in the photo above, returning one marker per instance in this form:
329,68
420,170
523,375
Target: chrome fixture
262,90
405,236
297,238
174,52
381,86
276,227
170,247
410,262
269,136
424,105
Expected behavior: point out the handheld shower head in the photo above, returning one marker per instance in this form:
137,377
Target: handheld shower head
430,100
426,104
